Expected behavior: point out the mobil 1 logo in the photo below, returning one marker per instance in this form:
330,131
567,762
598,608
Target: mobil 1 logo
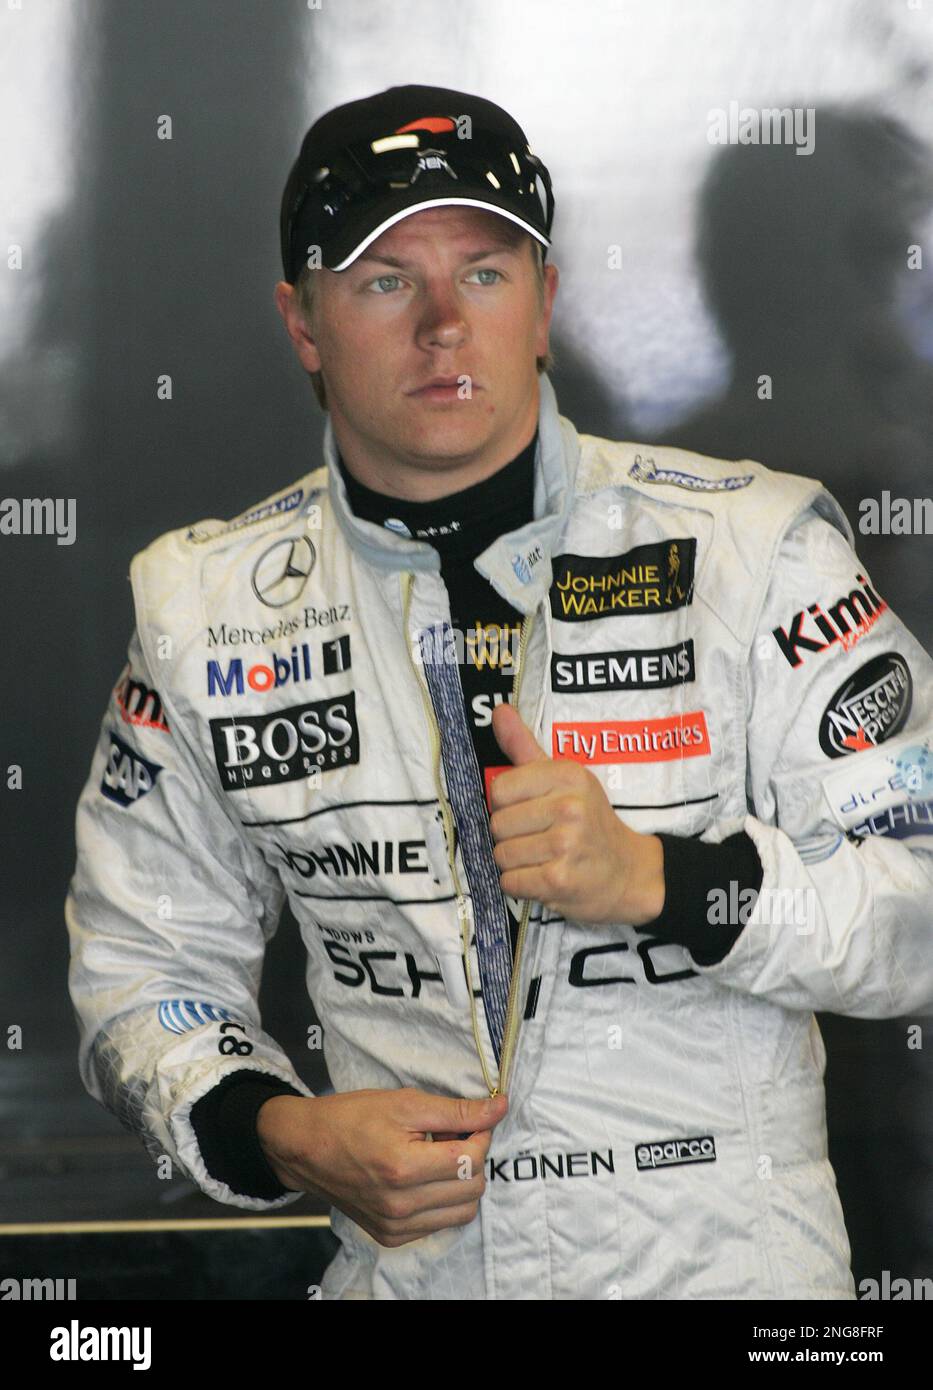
284,746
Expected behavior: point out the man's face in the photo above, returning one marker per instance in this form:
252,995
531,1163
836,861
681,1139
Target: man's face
449,293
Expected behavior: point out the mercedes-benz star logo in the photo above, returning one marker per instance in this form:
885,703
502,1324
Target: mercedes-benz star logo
281,572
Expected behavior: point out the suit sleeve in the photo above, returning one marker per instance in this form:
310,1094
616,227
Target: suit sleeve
840,778
168,914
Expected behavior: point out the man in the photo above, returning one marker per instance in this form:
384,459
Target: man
589,772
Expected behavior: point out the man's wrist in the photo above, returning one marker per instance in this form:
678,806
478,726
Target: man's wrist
269,1122
645,890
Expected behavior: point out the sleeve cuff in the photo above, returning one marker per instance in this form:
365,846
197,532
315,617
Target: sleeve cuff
693,872
224,1121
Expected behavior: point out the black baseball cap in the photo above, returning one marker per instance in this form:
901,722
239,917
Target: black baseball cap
366,165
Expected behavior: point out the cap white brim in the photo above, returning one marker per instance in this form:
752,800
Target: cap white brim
437,203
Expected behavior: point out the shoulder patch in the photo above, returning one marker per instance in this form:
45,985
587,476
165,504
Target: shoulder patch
645,470
285,502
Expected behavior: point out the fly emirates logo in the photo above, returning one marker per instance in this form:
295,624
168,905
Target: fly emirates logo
633,740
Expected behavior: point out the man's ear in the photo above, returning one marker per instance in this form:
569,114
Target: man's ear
297,327
551,281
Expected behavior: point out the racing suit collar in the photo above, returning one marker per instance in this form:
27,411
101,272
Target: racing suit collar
516,564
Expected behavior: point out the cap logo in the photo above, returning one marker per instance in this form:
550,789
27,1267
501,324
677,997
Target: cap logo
429,161
438,125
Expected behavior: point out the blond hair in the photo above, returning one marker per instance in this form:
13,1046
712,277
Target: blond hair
304,296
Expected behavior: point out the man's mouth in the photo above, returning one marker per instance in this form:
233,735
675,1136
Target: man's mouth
447,388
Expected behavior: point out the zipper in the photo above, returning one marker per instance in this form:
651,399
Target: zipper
510,1035
510,1032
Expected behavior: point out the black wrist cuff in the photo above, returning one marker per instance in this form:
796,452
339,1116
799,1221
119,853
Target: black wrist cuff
693,871
224,1120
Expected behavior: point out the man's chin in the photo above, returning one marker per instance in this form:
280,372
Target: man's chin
444,439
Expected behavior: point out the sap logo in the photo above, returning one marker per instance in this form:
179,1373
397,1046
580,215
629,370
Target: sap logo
261,676
127,776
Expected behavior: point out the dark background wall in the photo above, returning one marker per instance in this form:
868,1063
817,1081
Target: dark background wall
688,270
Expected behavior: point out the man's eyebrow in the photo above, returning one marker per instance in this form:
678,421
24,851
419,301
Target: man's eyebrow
498,249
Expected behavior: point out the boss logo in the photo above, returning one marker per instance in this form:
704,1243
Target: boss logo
267,750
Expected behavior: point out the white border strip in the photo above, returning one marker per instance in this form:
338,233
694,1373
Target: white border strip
437,203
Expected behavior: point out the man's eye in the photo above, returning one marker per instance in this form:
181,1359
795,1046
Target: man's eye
487,270
380,286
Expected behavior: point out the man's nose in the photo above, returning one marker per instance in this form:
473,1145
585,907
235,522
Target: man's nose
441,323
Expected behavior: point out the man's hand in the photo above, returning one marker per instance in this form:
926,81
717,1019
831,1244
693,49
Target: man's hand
368,1153
559,841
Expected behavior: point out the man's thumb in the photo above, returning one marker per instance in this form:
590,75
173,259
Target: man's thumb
514,737
467,1116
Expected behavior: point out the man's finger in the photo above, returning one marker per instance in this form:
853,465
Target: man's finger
452,1115
531,817
524,852
514,737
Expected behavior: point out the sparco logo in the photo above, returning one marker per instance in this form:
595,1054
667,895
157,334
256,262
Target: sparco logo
671,1153
262,675
266,750
624,670
281,572
648,579
870,707
847,620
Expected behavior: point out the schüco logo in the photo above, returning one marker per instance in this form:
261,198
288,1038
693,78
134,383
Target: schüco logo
261,675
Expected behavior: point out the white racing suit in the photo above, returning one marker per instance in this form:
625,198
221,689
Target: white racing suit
702,636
